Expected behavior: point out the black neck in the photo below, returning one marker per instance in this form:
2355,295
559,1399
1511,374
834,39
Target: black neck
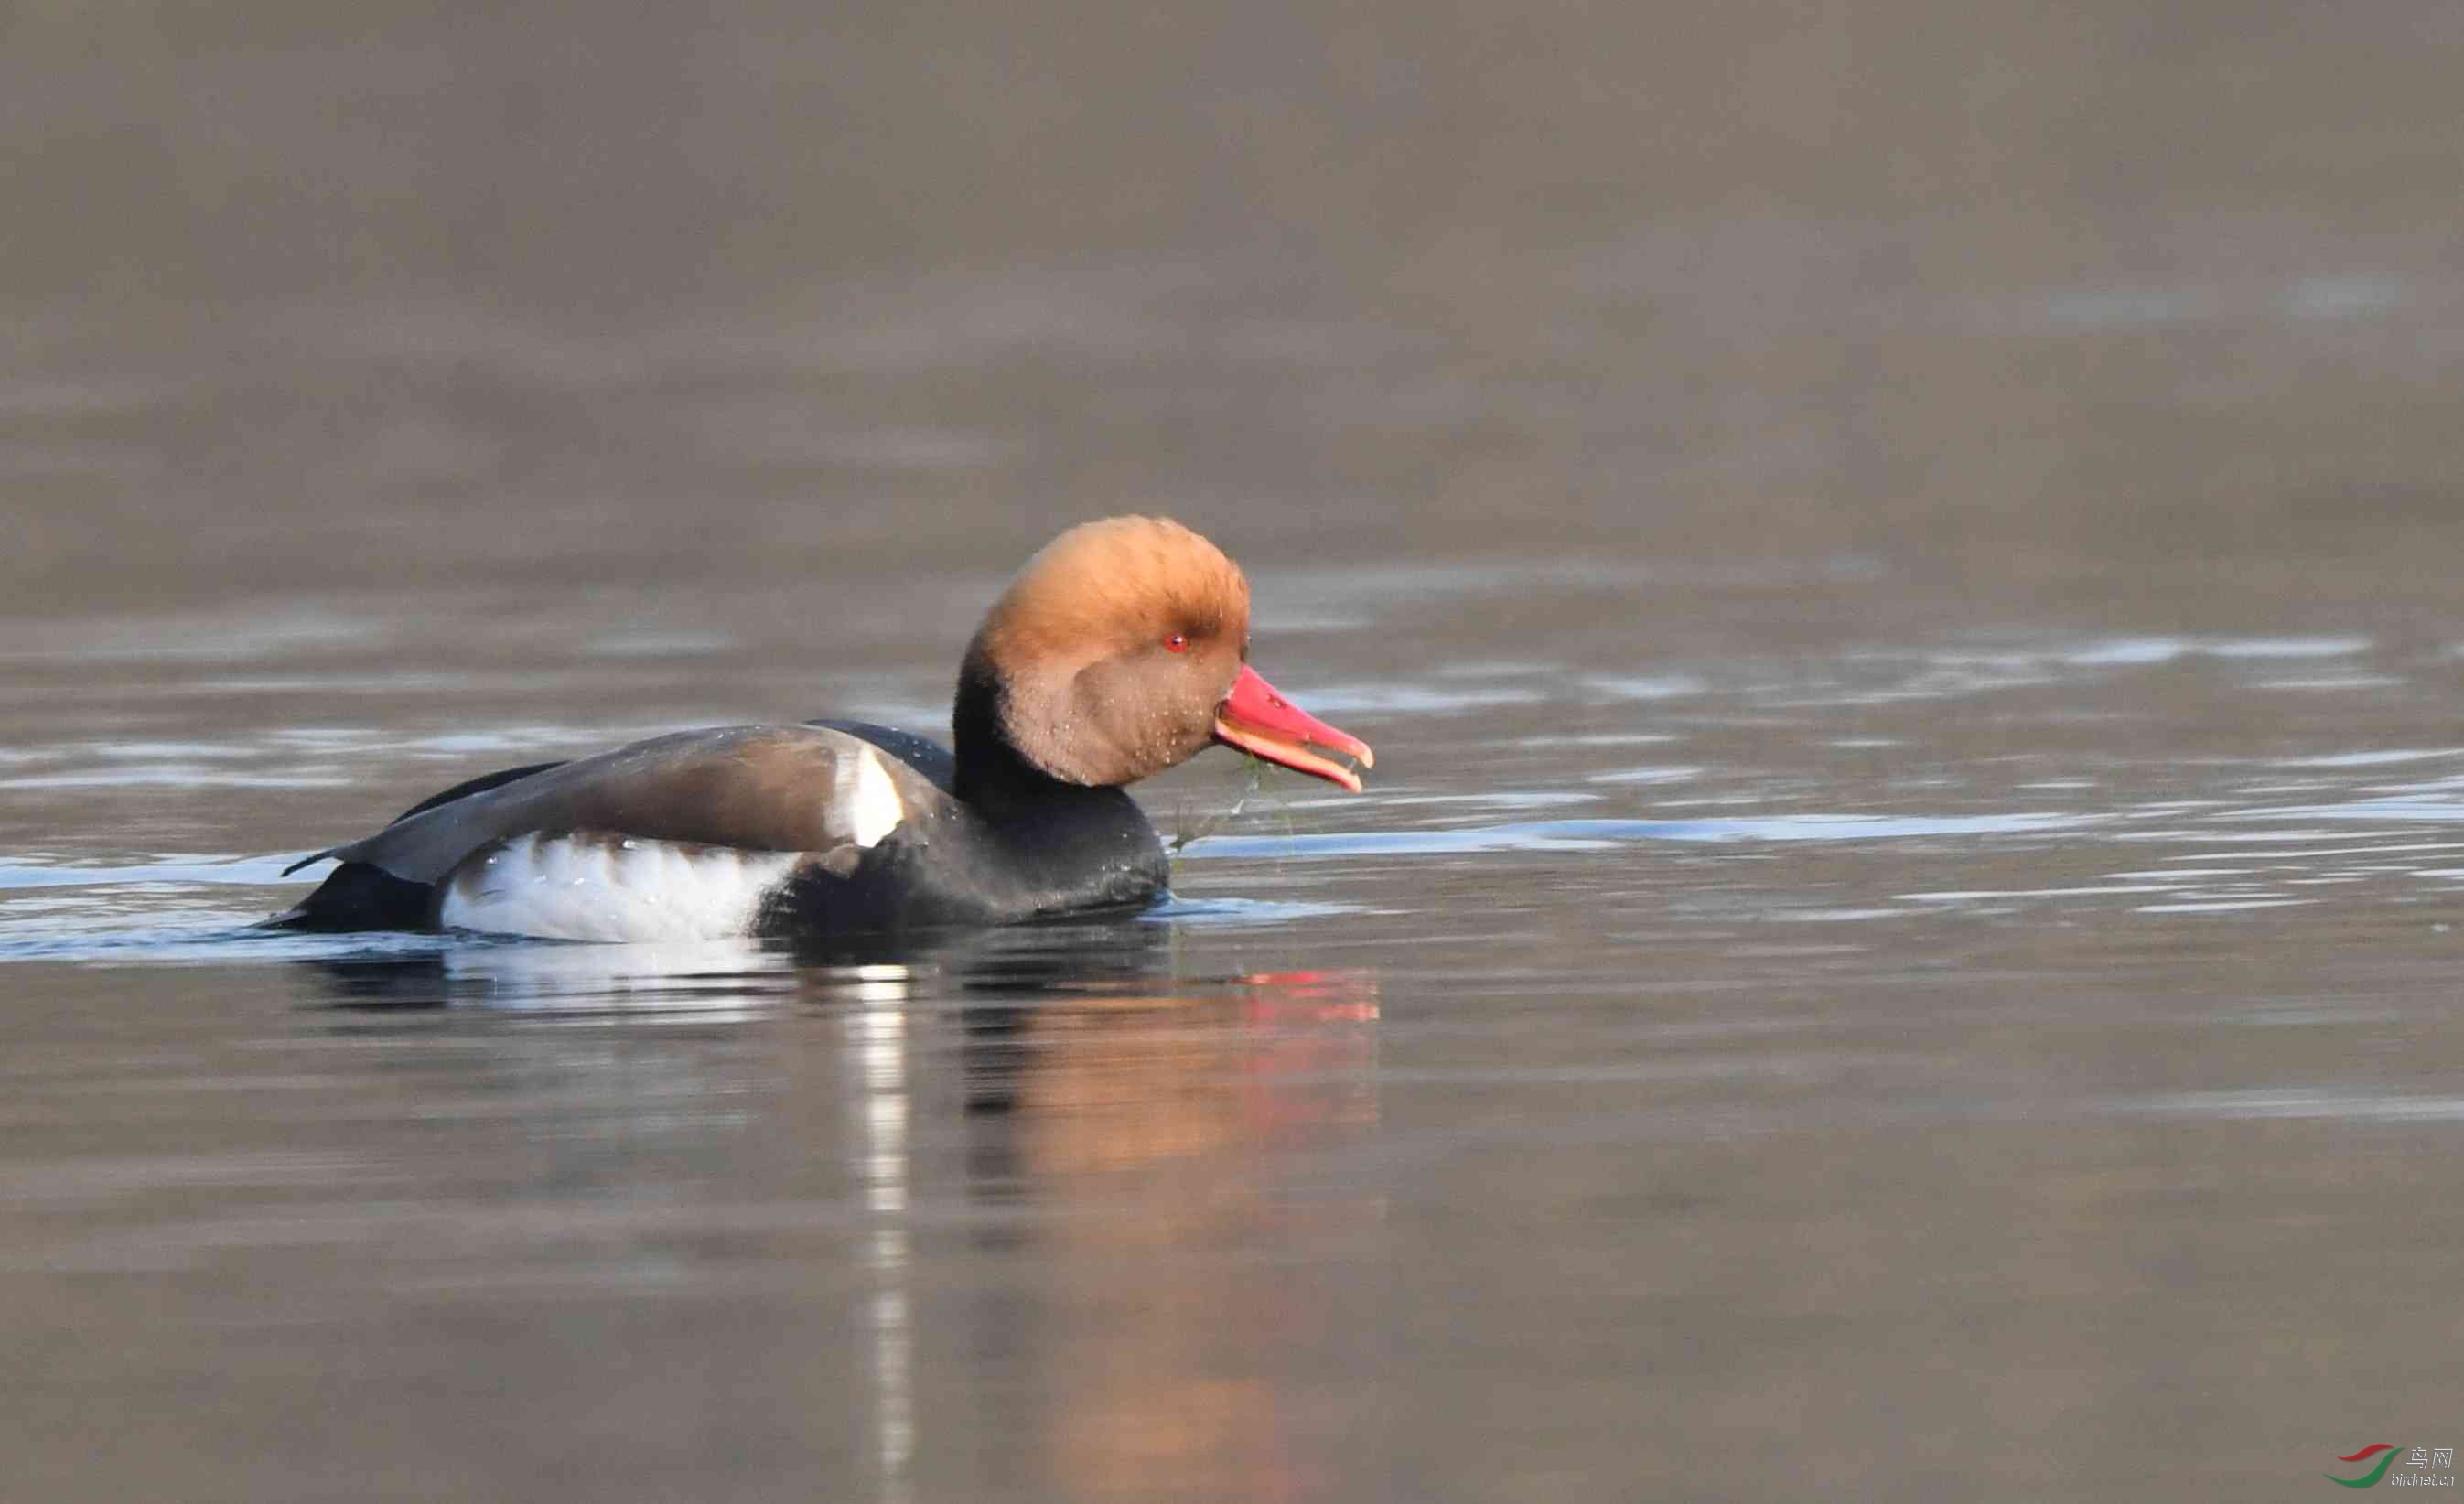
989,772
991,775
1070,845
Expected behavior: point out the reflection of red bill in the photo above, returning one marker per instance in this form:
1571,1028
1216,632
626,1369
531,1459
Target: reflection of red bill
1313,997
1257,719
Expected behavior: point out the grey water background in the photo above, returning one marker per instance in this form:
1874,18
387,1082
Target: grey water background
1900,560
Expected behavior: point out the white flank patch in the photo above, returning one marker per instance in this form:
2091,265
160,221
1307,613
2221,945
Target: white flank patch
868,799
594,889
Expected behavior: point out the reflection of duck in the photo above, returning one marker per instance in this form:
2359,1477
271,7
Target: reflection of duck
1120,650
1177,1265
1118,1080
1041,1184
739,977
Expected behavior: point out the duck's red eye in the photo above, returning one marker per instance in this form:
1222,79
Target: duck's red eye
1178,643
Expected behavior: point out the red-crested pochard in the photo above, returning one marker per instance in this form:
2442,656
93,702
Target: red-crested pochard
1121,649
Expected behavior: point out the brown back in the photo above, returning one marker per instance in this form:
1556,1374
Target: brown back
762,788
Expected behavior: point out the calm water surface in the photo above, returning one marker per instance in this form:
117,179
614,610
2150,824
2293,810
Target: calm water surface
1903,942
2029,1035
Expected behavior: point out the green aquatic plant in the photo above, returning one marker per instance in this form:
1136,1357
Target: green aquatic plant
1258,777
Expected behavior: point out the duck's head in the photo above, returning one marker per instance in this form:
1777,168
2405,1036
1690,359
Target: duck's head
1121,649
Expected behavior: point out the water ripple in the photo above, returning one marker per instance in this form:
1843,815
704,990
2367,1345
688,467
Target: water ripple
1593,834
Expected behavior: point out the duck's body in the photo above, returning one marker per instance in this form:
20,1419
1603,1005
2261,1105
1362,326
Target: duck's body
1119,651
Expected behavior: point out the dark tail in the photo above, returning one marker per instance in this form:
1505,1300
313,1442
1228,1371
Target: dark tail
359,896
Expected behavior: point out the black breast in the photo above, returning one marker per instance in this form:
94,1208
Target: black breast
1075,850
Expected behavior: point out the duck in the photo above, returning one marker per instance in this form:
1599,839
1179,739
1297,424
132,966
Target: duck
1120,649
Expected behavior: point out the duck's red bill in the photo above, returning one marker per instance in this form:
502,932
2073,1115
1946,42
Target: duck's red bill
1258,720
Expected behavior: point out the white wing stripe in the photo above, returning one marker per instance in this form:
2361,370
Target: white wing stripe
867,797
